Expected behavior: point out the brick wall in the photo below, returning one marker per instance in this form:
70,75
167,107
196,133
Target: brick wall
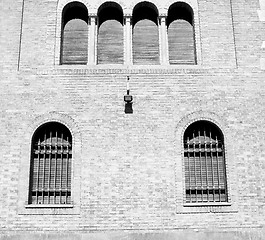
128,180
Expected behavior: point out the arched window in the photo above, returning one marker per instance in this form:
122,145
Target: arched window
74,37
50,168
110,34
204,159
181,44
145,34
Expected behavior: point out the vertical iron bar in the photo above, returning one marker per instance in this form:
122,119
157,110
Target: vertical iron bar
38,169
224,170
67,158
212,168
49,173
55,166
218,174
61,169
43,175
189,173
194,157
200,149
207,185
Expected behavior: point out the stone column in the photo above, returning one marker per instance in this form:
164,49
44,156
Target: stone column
92,40
163,40
127,40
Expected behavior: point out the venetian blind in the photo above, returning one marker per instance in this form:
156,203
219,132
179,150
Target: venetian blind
74,42
145,43
181,42
110,42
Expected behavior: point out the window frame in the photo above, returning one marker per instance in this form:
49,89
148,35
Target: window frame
45,147
201,207
107,6
59,30
210,174
24,207
193,4
170,20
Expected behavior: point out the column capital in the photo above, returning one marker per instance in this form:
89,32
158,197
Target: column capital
92,15
162,16
162,19
127,15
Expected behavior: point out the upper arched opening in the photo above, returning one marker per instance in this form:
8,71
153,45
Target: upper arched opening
74,10
180,10
110,11
201,131
50,132
145,10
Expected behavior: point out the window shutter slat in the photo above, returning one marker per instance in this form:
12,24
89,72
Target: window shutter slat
145,43
181,42
110,42
74,43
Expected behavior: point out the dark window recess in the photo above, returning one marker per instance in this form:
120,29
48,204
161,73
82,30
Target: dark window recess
50,173
110,46
74,36
181,42
145,39
205,170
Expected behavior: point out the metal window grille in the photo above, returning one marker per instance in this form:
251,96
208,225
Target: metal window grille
204,156
50,175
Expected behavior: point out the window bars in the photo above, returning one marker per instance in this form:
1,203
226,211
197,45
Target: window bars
50,180
204,159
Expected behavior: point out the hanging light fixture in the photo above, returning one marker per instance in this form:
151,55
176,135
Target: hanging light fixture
128,99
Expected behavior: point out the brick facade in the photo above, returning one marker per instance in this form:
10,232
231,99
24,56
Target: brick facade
128,170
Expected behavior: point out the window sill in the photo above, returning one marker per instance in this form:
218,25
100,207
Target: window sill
207,204
49,209
49,206
207,207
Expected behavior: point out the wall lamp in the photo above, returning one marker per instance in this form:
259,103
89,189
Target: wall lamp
128,99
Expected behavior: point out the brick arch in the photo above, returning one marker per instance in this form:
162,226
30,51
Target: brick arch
60,118
198,116
26,156
135,2
180,129
60,6
62,3
192,3
221,123
119,2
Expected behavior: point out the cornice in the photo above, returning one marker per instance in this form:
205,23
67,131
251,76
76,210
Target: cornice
189,70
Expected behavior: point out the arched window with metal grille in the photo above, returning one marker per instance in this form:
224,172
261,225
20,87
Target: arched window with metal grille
74,37
181,40
110,34
204,160
50,168
145,40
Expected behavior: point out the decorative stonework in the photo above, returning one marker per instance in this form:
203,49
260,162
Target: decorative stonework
127,7
146,70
